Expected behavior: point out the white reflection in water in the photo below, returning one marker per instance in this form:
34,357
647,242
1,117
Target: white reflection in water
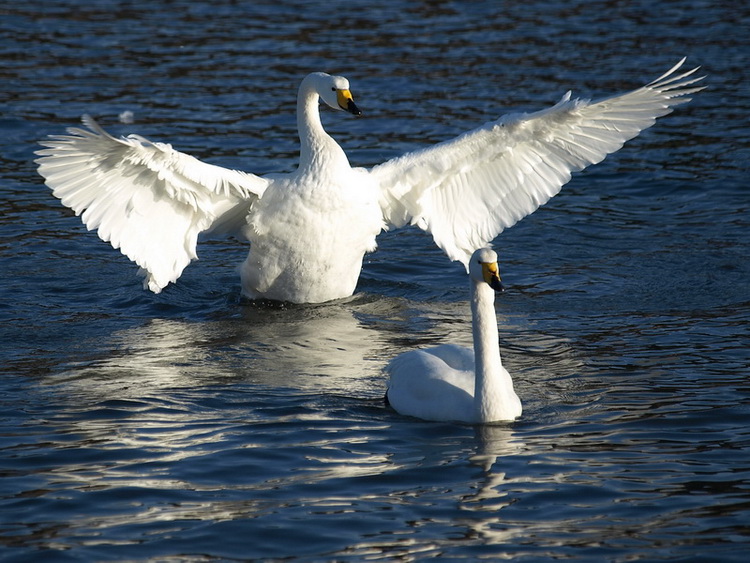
165,368
478,516
483,506
335,348
256,367
325,348
231,420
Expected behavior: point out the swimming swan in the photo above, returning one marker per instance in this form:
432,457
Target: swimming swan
453,383
309,229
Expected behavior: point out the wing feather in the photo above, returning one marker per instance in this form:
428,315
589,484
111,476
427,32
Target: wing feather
145,198
467,190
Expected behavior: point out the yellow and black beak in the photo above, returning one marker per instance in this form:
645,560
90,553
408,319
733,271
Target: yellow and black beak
346,102
491,275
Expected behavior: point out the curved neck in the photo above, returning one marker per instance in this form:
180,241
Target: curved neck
317,148
491,380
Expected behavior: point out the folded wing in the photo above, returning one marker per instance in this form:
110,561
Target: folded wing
467,190
145,198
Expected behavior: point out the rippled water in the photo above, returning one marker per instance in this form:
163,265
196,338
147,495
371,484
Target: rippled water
193,426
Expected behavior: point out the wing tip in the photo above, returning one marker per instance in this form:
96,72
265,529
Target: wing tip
676,85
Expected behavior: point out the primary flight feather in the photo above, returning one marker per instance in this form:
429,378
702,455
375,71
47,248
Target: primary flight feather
310,229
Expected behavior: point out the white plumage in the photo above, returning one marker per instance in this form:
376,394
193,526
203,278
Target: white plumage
453,383
309,230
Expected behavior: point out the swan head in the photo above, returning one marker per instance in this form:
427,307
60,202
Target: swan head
483,268
334,91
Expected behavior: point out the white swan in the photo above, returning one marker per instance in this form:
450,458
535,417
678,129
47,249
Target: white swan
453,383
309,230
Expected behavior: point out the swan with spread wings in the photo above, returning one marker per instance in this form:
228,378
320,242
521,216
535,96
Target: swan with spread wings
310,229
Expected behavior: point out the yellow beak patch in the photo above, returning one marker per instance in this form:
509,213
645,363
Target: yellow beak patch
490,271
343,97
491,275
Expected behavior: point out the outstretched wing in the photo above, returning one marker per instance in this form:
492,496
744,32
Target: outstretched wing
467,190
145,198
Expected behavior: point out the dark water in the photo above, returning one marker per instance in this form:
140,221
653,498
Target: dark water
193,426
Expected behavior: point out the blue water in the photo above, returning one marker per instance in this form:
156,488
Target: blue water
191,425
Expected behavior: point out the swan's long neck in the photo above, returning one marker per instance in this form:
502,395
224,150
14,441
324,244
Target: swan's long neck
317,148
493,387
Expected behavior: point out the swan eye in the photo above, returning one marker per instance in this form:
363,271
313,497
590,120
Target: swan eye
333,88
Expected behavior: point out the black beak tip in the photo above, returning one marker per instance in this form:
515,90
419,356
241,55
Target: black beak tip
352,108
497,285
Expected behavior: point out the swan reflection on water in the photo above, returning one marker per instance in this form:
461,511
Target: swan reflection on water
284,401
303,347
338,348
